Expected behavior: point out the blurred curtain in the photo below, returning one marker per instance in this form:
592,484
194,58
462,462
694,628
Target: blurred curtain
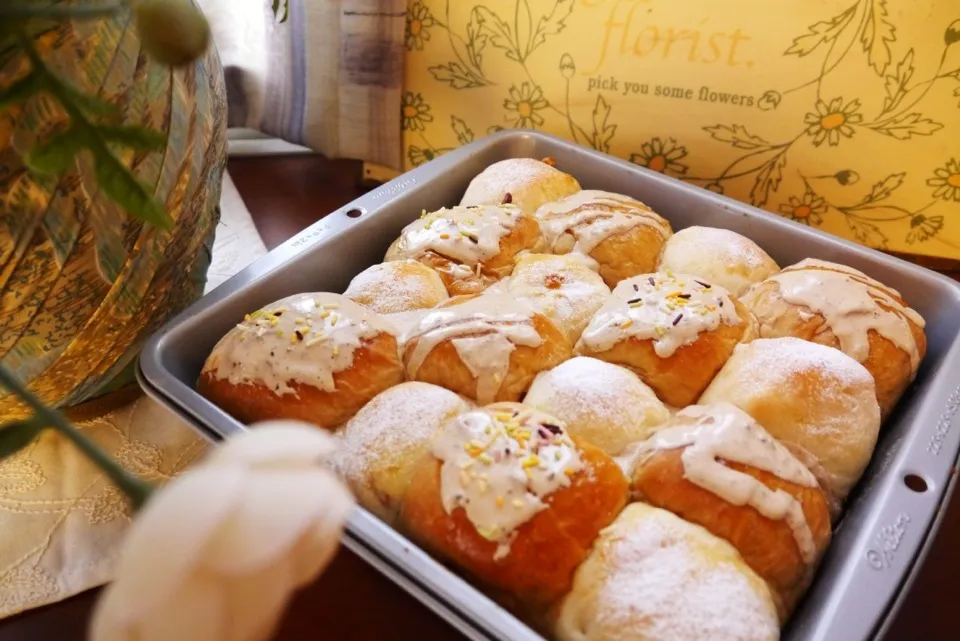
328,78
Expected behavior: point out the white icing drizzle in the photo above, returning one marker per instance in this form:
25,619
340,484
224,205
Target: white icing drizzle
469,235
306,338
852,304
723,432
484,330
500,463
592,216
672,310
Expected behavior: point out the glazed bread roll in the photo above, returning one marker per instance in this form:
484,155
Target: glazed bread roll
652,576
841,307
622,234
565,289
397,286
525,182
674,331
604,404
487,348
384,442
513,499
312,357
470,247
718,256
713,465
815,400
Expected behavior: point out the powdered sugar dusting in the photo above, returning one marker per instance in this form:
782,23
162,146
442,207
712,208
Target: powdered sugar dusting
397,286
654,577
718,255
603,403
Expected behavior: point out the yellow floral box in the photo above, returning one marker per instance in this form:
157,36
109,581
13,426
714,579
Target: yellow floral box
840,114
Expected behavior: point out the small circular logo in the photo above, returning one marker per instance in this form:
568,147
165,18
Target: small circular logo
875,559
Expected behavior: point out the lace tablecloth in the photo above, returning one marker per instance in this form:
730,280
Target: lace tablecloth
60,519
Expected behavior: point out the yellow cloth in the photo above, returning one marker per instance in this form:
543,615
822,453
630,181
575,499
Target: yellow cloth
840,114
60,519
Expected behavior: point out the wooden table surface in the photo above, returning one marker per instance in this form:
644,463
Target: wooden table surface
351,601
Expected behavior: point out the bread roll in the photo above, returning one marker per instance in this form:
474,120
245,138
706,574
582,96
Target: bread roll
565,289
470,247
397,286
313,357
815,400
841,307
652,576
385,441
674,331
718,256
713,465
525,182
487,348
604,404
514,500
622,234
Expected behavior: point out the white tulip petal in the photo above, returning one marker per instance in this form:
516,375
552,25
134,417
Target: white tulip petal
273,443
257,601
195,613
314,552
105,624
278,508
170,534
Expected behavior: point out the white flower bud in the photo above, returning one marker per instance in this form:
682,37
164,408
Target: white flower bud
216,554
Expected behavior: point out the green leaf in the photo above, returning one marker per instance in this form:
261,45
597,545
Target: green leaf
90,104
455,75
551,24
133,137
877,36
885,188
737,135
602,132
905,126
17,435
19,91
460,128
54,156
119,183
821,33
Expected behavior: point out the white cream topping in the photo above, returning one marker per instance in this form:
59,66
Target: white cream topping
306,338
723,432
484,330
591,216
499,464
852,304
469,235
672,310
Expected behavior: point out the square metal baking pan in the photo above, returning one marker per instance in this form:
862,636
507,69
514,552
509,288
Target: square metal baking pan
886,527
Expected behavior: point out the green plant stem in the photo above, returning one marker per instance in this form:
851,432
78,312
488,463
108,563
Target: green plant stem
133,486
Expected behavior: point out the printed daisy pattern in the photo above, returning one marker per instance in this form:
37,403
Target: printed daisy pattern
831,121
946,181
524,106
808,209
835,142
416,114
661,156
417,31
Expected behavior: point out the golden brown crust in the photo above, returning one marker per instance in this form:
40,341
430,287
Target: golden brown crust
889,364
547,548
767,546
625,255
376,367
443,366
679,379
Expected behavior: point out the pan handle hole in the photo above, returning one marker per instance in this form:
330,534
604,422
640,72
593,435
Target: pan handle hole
356,212
916,483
